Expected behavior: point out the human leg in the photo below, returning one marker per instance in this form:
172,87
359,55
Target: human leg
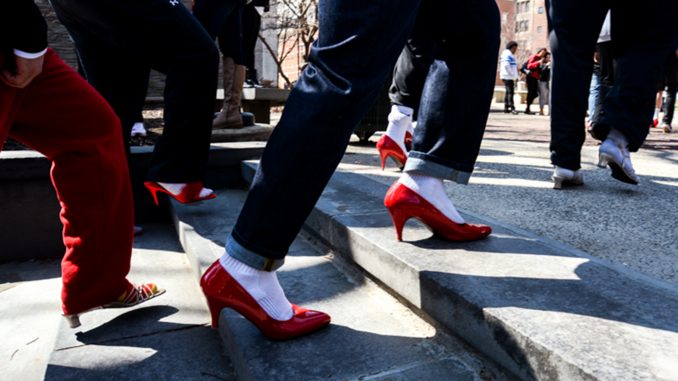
671,77
454,109
409,76
573,42
532,92
639,59
166,38
509,94
333,93
64,118
543,96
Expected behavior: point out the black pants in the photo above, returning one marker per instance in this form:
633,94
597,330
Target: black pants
606,75
510,86
638,54
119,41
251,23
532,90
223,21
415,60
671,82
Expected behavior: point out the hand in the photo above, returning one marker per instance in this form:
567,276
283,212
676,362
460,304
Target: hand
26,70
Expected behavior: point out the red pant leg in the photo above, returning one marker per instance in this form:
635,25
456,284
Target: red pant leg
64,118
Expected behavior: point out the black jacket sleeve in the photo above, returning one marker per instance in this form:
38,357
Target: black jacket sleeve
22,26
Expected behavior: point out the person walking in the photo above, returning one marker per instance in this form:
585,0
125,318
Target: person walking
544,79
671,82
407,85
223,21
508,73
117,43
639,55
333,93
532,77
47,106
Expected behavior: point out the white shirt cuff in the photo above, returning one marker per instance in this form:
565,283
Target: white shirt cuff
29,56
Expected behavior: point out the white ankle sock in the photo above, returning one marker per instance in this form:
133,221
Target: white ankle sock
176,188
263,286
399,122
432,190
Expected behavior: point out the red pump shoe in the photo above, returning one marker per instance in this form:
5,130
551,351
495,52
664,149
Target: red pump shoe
408,141
403,203
389,148
190,193
222,291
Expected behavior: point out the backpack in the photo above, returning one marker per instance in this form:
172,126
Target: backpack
524,69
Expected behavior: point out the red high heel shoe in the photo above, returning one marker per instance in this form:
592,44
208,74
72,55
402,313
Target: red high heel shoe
190,193
403,203
389,148
222,291
408,141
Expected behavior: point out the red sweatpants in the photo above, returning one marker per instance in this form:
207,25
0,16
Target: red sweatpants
64,118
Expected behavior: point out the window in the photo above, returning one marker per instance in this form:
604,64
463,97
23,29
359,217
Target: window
522,26
540,29
540,10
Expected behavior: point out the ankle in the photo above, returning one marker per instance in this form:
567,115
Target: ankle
432,189
263,287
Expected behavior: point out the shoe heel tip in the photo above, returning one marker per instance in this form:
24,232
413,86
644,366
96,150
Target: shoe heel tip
73,321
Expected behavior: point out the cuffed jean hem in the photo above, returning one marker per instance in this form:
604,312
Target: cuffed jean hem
250,258
428,168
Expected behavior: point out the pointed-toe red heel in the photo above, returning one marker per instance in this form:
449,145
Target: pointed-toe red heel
403,203
190,193
222,291
389,148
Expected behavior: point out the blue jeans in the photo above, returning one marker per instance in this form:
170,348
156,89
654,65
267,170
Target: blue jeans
358,45
594,91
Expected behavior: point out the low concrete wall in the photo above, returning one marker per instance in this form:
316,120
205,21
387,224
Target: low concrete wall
29,209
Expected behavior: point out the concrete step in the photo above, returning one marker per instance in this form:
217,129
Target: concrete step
30,208
372,336
541,309
167,338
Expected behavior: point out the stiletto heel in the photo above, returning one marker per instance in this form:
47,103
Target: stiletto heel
189,194
404,203
222,290
389,148
215,310
399,218
154,194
